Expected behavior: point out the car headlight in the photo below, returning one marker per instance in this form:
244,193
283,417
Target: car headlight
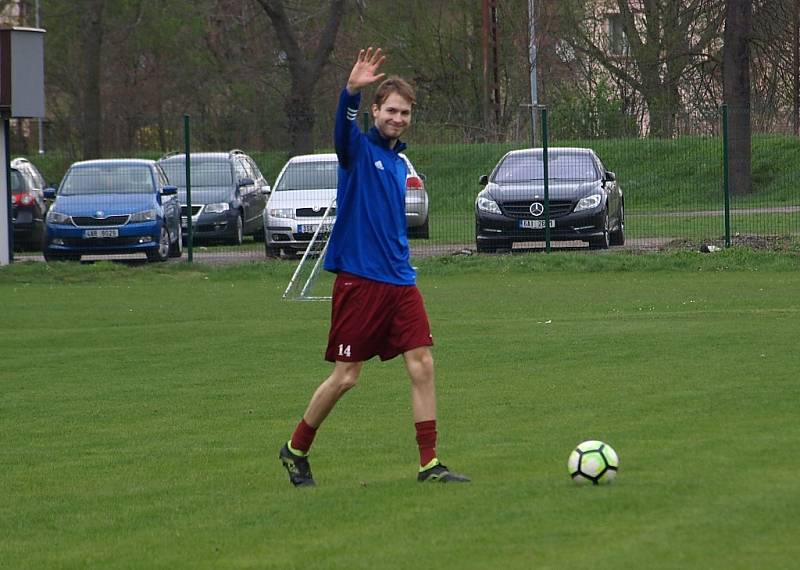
488,205
217,208
282,213
589,202
54,217
145,216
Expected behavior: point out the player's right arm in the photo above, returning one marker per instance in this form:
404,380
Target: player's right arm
346,133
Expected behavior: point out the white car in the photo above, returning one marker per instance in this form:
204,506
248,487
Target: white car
306,188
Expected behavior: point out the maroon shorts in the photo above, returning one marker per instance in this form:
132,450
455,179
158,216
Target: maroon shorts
370,318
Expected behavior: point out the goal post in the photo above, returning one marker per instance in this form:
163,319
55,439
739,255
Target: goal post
305,278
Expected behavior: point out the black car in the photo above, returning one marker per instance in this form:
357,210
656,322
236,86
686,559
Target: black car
28,206
229,194
585,201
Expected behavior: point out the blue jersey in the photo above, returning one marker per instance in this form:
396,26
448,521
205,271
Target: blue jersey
369,236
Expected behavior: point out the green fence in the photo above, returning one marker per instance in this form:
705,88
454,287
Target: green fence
673,188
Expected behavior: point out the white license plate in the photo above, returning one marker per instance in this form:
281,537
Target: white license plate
311,228
105,233
535,224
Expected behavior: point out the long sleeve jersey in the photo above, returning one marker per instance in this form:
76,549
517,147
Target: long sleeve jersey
369,236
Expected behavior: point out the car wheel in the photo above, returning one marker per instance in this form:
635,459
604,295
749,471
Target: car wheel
238,231
419,232
617,237
602,241
161,252
176,249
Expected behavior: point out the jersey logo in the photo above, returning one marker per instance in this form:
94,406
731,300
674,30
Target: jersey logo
379,165
352,113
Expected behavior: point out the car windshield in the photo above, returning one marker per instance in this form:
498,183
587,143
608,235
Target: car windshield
527,167
308,176
17,184
122,179
204,173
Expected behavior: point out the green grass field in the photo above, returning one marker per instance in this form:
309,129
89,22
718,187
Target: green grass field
142,410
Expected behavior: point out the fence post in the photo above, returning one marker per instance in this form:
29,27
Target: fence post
188,163
725,184
546,182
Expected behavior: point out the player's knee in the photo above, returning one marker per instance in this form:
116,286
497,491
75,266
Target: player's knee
424,361
346,377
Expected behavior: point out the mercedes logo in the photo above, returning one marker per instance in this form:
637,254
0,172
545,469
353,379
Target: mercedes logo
537,209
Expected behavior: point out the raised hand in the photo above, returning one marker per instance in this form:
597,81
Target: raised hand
365,70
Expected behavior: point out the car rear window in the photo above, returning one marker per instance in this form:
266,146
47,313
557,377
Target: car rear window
528,167
127,179
204,173
308,176
17,183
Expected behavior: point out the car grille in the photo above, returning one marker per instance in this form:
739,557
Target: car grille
195,210
84,221
305,236
101,242
522,208
312,213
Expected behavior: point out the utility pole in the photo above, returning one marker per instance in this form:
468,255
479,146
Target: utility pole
41,127
495,63
532,60
485,46
491,80
796,65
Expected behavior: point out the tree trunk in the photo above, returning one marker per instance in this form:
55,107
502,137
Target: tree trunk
736,92
304,71
91,48
300,118
662,104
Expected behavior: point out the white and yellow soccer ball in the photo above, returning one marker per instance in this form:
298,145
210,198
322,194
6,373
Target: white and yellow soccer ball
593,462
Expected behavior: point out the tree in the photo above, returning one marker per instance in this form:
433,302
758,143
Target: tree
660,41
304,71
736,91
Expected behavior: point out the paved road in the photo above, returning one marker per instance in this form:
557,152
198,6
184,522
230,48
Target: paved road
212,256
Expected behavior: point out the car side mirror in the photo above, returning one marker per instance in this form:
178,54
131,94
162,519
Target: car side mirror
246,182
50,193
609,177
169,190
266,189
422,176
483,180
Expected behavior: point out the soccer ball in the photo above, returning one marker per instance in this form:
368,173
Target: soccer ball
593,462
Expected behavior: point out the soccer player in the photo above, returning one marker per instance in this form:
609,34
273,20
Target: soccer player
376,307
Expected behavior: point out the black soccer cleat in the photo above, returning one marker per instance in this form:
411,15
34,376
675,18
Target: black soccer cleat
297,466
441,474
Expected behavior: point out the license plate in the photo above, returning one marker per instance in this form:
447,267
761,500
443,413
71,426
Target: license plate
105,233
311,228
535,224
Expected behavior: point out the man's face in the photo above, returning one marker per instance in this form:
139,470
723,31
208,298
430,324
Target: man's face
393,117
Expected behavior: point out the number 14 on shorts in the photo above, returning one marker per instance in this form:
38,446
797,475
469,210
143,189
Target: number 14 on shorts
344,350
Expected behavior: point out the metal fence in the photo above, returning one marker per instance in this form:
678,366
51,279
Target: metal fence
235,209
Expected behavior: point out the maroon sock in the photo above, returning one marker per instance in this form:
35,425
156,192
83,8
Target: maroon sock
426,439
303,436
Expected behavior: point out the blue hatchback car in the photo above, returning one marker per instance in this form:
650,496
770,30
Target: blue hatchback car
113,206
